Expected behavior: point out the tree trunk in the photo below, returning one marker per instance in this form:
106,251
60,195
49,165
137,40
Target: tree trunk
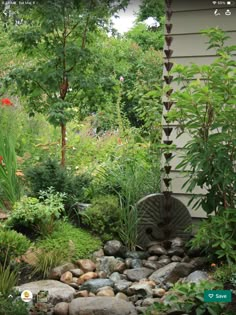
63,145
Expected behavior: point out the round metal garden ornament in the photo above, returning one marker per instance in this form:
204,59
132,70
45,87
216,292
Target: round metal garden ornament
162,217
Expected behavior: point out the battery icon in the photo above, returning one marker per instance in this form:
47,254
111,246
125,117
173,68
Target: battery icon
229,2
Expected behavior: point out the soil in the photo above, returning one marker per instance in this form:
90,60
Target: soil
26,274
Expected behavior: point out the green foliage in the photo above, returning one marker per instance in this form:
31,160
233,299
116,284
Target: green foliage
146,38
48,259
206,110
8,279
44,175
189,298
151,8
50,174
56,34
9,183
82,242
38,215
12,304
102,217
217,237
12,245
225,274
130,176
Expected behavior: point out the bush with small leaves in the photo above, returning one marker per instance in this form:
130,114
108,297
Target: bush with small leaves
12,246
37,214
102,217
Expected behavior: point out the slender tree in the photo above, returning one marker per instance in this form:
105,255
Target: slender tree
56,34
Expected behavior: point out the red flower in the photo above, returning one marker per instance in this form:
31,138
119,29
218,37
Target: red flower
1,160
6,102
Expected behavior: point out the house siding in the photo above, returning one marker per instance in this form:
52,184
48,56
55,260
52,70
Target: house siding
189,46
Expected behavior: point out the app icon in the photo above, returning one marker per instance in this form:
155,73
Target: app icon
228,12
26,296
217,12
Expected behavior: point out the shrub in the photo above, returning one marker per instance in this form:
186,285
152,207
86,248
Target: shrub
50,174
102,217
217,237
12,245
82,242
37,215
44,175
205,109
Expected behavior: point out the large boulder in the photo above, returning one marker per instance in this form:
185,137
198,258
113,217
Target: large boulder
58,291
101,306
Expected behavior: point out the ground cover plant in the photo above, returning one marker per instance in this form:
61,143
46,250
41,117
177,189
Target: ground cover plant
188,298
66,236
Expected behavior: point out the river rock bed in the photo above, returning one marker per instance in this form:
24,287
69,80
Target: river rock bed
116,281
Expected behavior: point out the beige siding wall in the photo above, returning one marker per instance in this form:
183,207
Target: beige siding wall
189,46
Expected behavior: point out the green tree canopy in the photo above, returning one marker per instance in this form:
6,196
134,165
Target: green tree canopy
56,34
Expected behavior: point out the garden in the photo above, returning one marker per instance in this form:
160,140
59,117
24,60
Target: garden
80,145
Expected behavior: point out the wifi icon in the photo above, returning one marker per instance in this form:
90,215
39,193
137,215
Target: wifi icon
214,2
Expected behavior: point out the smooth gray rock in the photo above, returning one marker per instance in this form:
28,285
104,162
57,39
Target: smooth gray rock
114,248
161,274
122,286
199,262
150,301
141,289
108,264
177,242
176,258
77,272
164,261
58,291
176,251
136,263
61,308
136,255
94,284
157,250
181,270
197,276
138,273
115,276
152,264
101,306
